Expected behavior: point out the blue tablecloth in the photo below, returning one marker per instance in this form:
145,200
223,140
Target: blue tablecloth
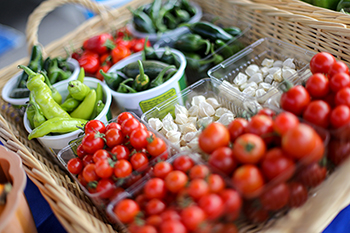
46,221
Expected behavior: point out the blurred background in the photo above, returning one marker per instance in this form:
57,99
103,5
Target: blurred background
13,20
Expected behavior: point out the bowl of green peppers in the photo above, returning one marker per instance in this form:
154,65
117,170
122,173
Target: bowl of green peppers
144,79
160,20
57,69
55,117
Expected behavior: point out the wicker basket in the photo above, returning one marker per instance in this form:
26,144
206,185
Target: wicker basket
73,209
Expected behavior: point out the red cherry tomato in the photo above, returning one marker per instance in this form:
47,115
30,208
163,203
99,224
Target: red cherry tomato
338,81
92,142
183,163
130,125
276,164
113,125
213,205
75,166
248,180
321,62
89,173
318,112
162,169
298,194
340,116
236,128
338,151
122,168
317,85
155,188
157,147
216,183
114,137
342,97
199,171
295,100
232,201
337,67
124,116
275,198
223,159
284,122
139,160
176,181
94,126
126,210
312,175
120,152
198,188
214,136
267,112
249,148
105,188
155,206
103,169
138,138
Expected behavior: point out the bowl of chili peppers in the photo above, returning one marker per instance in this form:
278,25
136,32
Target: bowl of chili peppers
161,20
144,79
58,69
56,124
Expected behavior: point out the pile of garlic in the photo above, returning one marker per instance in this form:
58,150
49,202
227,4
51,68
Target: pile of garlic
183,131
257,81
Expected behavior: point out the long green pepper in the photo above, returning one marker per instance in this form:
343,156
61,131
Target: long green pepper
57,125
43,95
86,107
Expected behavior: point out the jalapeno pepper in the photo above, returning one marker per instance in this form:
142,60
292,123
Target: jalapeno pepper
78,90
182,15
55,73
159,79
185,5
169,58
192,43
57,125
170,21
112,79
233,31
142,21
141,81
209,31
122,86
223,48
43,95
35,64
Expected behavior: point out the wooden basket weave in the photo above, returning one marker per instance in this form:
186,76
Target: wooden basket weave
72,208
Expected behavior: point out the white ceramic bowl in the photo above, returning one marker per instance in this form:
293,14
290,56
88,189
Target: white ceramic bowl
54,144
154,37
141,102
10,85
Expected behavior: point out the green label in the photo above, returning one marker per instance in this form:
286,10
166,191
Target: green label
150,103
182,82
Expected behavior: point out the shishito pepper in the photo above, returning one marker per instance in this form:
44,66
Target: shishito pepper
86,107
57,125
78,90
43,95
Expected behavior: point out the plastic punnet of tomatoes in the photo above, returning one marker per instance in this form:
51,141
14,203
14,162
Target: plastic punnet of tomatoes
101,51
182,194
257,70
180,120
322,98
107,159
271,159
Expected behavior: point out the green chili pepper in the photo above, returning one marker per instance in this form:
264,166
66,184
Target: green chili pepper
148,53
99,97
142,21
233,31
55,94
194,61
121,88
43,95
223,48
150,67
141,81
46,64
170,58
99,107
86,107
30,110
78,90
170,21
182,15
57,125
209,31
192,43
38,117
81,75
159,79
112,79
170,74
217,58
70,104
185,5
154,14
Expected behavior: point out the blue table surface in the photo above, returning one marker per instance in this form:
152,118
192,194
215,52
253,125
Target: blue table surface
46,221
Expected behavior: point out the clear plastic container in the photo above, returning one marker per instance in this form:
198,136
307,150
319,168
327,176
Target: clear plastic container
206,88
238,43
175,201
265,48
100,199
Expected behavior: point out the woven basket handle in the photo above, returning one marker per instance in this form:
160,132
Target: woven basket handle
45,8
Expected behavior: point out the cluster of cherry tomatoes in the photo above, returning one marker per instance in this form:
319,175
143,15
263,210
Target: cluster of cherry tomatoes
324,101
272,159
100,52
114,156
181,196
